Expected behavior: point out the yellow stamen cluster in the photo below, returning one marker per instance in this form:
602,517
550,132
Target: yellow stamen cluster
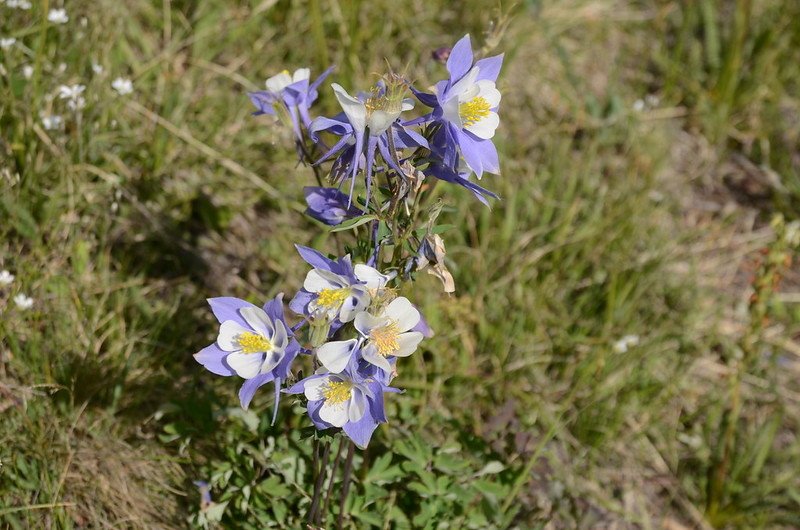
473,111
386,338
253,342
332,298
337,392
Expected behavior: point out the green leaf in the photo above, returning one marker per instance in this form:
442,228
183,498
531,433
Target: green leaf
19,217
215,511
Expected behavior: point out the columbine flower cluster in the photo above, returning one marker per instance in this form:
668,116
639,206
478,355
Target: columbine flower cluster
354,326
338,300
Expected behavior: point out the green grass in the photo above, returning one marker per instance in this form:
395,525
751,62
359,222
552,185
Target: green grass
520,411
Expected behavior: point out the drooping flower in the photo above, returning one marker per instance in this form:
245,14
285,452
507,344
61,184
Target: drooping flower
346,400
365,127
122,85
23,301
6,278
289,96
328,205
253,343
465,109
389,334
335,289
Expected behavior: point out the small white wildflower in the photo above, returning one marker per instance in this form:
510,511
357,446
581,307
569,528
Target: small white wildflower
52,122
19,4
84,22
652,100
6,277
27,71
61,68
97,68
73,95
628,341
638,105
122,85
58,16
70,91
23,301
7,42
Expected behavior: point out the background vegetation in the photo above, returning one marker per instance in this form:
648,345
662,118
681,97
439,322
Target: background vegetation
604,362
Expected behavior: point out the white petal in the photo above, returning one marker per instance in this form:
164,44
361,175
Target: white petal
355,110
488,91
370,354
278,82
317,280
403,313
300,74
451,111
364,322
358,406
281,338
370,276
247,365
271,360
353,305
335,355
258,320
407,343
313,388
465,83
485,128
336,414
380,120
228,333
469,94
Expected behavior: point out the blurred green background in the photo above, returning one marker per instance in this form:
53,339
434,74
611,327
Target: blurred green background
604,362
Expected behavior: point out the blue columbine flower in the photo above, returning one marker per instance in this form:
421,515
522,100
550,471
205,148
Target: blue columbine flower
465,113
328,205
390,334
335,289
289,93
364,128
347,400
253,343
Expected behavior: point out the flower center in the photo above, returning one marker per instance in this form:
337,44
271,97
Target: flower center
253,342
332,298
389,97
337,392
386,338
473,111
